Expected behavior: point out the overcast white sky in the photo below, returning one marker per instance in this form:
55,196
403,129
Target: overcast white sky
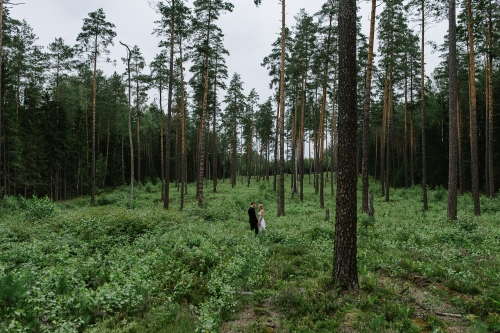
249,31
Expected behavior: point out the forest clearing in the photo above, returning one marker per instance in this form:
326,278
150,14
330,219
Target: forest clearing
70,267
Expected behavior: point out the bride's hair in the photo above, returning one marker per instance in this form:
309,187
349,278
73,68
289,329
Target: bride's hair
260,207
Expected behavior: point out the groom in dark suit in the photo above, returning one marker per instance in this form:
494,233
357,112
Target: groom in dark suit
253,218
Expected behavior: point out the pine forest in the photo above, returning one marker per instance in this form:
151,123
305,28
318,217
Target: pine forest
125,184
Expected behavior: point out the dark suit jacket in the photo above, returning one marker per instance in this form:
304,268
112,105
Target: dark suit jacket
252,216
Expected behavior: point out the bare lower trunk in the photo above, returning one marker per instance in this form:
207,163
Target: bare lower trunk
366,112
473,115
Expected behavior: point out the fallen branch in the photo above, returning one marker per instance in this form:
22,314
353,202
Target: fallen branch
444,314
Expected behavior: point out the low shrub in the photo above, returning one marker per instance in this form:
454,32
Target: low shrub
38,208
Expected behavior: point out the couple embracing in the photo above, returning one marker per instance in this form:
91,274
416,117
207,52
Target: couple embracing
257,224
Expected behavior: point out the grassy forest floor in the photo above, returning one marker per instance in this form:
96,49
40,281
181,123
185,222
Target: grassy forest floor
69,267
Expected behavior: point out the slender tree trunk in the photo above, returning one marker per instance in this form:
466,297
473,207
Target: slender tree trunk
383,134
405,140
214,145
412,130
294,141
486,128
166,196
389,124
490,106
422,109
130,129
366,111
234,152
334,133
162,150
281,194
459,139
94,94
106,162
473,114
275,166
389,130
376,155
138,131
183,133
302,131
322,120
202,120
249,151
1,90
345,271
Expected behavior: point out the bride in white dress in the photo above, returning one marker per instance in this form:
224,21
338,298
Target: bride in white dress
262,222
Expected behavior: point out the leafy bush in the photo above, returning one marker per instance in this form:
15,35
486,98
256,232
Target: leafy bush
104,200
10,203
151,188
38,208
11,290
440,194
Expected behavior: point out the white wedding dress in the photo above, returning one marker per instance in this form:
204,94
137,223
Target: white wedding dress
262,225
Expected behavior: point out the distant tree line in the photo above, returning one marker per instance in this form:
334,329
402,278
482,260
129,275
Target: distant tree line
65,128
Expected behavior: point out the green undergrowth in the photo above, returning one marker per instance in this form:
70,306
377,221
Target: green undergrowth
69,267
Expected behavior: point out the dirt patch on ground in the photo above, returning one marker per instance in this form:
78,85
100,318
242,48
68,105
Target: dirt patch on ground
421,293
253,318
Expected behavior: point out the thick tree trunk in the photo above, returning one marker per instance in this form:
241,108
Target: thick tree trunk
366,112
473,115
345,271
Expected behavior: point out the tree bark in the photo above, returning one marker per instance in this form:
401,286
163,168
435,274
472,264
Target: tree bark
130,129
281,194
166,196
183,133
345,271
1,90
473,115
214,153
201,157
490,106
302,130
422,109
322,119
94,93
405,140
366,112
